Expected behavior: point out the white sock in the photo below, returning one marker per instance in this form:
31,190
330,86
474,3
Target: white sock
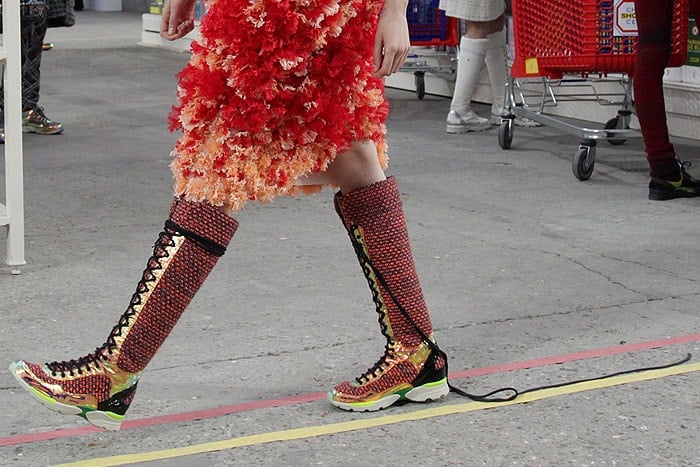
472,53
496,65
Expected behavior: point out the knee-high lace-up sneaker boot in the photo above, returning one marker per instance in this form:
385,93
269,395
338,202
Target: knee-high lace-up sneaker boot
412,367
100,386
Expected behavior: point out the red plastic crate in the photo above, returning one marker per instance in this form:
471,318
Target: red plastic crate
553,37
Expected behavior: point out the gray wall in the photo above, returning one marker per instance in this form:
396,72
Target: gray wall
139,6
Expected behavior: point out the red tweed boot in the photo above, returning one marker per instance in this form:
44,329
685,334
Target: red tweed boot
412,367
100,386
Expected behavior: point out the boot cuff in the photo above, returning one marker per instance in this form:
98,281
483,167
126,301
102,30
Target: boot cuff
204,220
368,203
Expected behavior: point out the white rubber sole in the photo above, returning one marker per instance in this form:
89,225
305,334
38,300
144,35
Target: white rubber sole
427,392
103,420
459,129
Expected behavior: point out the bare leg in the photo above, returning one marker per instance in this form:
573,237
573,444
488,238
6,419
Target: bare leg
356,167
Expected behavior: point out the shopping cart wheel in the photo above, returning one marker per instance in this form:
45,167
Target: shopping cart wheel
583,162
505,133
420,84
616,123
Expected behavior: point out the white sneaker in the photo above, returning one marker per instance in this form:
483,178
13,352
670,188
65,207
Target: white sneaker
457,123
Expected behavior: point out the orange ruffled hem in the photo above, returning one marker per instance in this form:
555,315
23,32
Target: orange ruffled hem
275,90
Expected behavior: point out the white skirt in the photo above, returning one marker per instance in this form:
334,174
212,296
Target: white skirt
473,10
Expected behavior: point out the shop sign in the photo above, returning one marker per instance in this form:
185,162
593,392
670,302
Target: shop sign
625,19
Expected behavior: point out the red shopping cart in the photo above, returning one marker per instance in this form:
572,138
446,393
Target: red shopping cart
434,38
578,43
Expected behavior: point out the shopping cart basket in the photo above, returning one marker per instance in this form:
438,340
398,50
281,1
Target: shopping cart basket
434,38
579,44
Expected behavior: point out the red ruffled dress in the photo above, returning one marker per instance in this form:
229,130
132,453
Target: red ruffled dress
274,90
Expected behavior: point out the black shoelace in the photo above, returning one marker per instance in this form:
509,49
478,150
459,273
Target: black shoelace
488,397
375,370
85,364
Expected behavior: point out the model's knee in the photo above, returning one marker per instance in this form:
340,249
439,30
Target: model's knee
361,155
359,166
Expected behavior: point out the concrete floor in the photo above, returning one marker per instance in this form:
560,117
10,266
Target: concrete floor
533,278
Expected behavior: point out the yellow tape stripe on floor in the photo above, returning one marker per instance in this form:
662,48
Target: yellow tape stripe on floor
437,411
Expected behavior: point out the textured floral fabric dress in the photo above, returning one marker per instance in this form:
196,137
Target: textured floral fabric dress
274,90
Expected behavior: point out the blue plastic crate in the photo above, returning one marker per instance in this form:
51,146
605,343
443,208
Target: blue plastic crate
426,22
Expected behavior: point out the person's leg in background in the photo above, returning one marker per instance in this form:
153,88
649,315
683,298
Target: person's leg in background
496,66
654,23
668,177
495,59
33,118
32,33
473,49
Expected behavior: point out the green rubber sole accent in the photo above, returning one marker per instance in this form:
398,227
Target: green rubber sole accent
99,418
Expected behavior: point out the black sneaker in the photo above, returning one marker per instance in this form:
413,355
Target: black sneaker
34,121
686,186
